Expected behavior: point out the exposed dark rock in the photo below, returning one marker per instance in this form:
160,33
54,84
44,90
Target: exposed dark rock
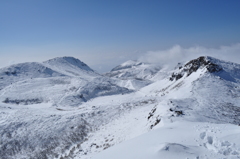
202,61
175,76
152,113
156,122
10,73
193,66
23,101
179,112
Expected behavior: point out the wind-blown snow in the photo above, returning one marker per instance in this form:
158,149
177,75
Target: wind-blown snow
180,140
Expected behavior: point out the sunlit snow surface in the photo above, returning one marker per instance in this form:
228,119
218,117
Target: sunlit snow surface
180,139
87,115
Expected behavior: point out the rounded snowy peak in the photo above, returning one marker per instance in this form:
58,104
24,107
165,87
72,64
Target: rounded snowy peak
69,66
25,71
67,60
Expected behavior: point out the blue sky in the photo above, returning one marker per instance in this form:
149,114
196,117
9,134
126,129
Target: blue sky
104,33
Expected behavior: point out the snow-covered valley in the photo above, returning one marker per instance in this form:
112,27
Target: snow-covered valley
61,108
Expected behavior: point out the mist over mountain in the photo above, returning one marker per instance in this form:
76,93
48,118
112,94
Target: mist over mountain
62,108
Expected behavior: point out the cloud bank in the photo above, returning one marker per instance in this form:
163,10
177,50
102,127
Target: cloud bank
179,54
104,60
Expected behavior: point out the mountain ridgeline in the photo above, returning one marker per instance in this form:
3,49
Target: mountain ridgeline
61,108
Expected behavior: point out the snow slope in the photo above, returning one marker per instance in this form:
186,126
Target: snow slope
43,111
196,115
173,140
192,113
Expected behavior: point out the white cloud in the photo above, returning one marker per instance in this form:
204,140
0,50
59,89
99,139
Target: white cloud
179,54
104,60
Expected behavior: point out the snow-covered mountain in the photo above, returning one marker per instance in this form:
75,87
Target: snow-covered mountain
61,81
134,70
190,112
61,66
69,66
135,74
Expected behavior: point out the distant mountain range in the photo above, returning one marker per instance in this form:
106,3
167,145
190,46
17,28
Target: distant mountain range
61,108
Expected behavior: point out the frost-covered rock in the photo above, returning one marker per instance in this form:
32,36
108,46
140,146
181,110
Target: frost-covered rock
193,65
